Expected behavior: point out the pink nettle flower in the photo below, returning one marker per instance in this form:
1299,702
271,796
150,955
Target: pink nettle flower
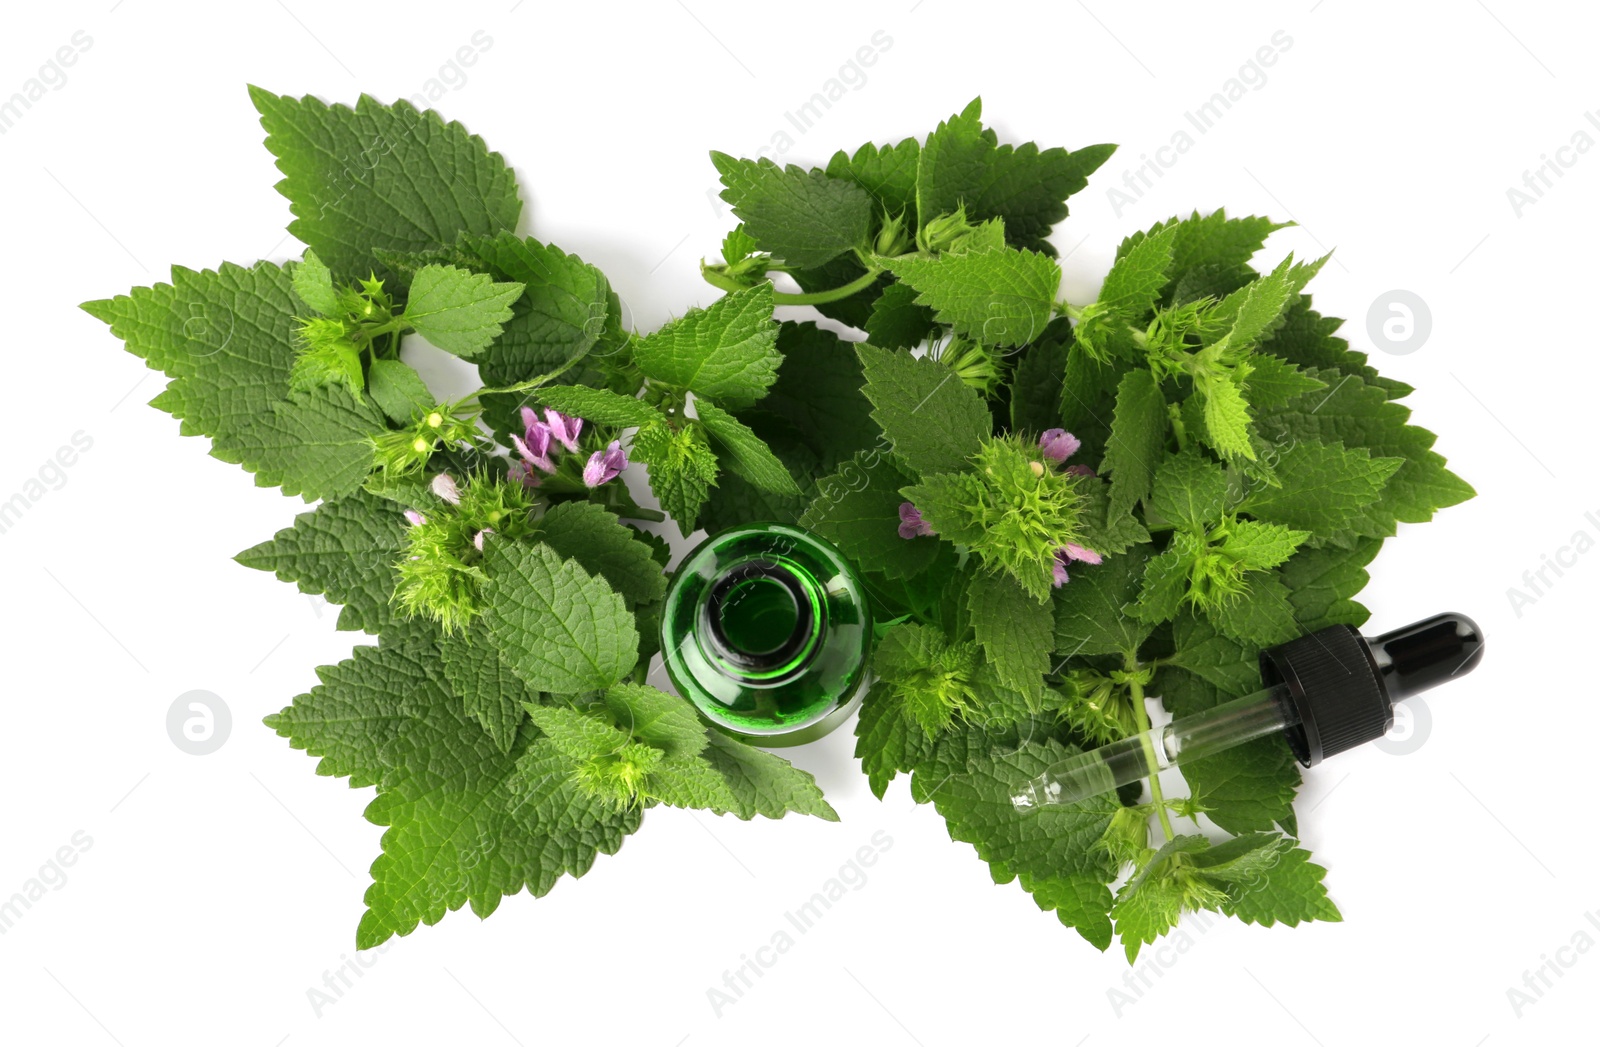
523,473
605,466
534,446
1058,445
1069,553
477,539
912,525
444,485
414,518
564,428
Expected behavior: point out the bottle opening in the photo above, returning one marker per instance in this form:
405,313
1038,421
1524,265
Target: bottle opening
759,615
762,618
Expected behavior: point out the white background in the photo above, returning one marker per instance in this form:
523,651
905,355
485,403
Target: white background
219,889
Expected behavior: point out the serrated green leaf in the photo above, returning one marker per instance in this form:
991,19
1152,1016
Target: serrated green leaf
1289,892
315,444
1227,417
888,173
682,469
1188,491
962,164
1138,440
999,296
745,452
1089,609
313,284
458,311
803,217
1016,631
1274,381
490,692
1325,488
381,176
887,742
1260,615
764,784
604,546
858,509
399,391
567,310
933,420
819,394
560,629
1323,581
1133,286
726,352
345,549
600,406
1081,902
898,321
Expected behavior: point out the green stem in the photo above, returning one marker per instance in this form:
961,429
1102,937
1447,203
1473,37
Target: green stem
1141,718
833,294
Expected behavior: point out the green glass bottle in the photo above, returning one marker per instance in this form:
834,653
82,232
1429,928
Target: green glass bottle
766,629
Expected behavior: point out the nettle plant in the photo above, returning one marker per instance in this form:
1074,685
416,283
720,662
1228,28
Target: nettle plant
1062,512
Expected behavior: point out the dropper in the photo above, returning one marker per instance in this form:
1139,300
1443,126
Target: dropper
1325,692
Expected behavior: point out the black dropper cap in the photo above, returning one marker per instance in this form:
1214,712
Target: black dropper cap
1344,686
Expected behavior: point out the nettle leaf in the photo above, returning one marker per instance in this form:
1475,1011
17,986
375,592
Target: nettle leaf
682,469
802,217
1355,414
898,320
1210,253
226,339
963,165
490,692
819,394
1049,843
1323,581
604,546
567,310
399,391
345,549
999,296
1290,891
1324,488
1090,610
458,311
934,421
745,452
888,742
1257,309
888,173
313,284
857,508
382,177
1138,440
600,406
1137,277
762,783
726,352
1016,631
561,629
1189,491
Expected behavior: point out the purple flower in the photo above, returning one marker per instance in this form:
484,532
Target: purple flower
534,446
1079,470
912,525
444,485
564,428
1066,554
1058,445
414,518
605,466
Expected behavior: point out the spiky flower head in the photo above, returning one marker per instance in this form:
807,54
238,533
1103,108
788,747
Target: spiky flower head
441,571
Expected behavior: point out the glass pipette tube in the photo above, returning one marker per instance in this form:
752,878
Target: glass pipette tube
1267,711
